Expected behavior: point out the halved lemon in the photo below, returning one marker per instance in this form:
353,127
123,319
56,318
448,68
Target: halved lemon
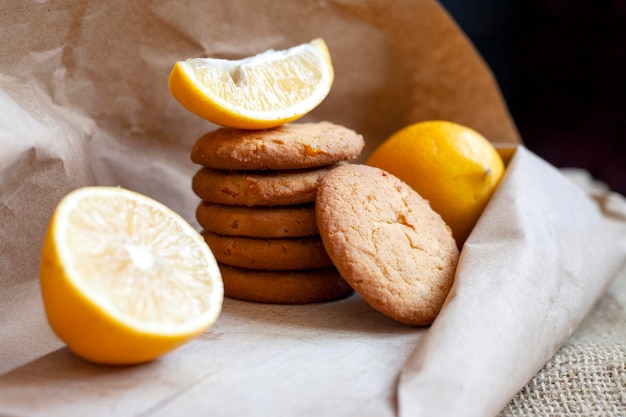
257,92
124,279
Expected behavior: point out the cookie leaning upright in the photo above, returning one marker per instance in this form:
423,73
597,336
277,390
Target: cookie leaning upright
387,242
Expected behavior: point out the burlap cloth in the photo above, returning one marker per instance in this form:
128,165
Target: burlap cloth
587,376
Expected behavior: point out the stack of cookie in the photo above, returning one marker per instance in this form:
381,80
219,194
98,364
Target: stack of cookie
258,190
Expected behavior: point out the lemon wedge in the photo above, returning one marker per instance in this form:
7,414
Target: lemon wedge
124,279
257,92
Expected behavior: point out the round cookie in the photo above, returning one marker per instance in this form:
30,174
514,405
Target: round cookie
284,287
387,242
290,146
275,254
258,188
265,222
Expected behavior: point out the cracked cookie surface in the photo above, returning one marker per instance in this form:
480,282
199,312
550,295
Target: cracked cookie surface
386,242
284,287
258,188
265,222
290,146
268,254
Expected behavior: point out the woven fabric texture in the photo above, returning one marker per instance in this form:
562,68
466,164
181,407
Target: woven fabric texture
587,376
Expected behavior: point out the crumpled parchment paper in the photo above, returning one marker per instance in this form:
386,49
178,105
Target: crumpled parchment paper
84,100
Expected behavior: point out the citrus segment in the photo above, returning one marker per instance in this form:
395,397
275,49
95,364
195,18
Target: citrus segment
257,92
454,167
124,279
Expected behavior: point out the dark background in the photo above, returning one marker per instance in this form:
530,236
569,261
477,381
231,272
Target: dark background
561,66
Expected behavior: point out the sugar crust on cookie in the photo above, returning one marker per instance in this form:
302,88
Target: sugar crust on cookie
290,146
258,188
274,253
387,242
284,287
265,222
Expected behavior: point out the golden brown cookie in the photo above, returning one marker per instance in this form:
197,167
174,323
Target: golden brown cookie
258,188
290,146
276,253
284,287
387,242
282,221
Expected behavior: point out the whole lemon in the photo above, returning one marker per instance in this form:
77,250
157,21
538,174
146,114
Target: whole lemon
453,166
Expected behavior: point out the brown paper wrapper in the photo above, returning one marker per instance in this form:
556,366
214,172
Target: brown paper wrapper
84,101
